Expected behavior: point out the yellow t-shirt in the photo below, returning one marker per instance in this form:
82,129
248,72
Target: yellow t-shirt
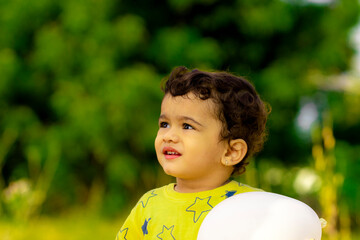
165,214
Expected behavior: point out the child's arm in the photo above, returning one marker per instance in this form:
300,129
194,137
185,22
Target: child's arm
131,228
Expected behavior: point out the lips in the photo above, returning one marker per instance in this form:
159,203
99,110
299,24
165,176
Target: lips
171,153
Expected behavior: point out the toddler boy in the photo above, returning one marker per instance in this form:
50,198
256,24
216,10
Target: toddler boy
210,124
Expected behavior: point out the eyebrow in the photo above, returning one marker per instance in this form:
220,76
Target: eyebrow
163,116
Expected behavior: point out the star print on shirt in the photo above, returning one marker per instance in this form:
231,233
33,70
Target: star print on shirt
144,226
200,206
152,194
122,234
166,233
229,193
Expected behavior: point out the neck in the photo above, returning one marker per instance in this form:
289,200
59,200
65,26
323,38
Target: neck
192,186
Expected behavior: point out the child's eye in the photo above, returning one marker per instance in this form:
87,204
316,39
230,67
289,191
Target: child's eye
187,126
163,125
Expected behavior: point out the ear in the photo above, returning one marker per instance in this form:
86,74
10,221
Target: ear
235,153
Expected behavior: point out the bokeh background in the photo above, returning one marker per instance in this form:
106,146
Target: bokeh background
80,98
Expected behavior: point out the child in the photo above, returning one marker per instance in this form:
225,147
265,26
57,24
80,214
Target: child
210,124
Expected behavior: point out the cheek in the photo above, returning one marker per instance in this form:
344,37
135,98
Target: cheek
212,150
157,143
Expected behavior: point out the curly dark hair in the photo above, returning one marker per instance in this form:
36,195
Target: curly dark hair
239,107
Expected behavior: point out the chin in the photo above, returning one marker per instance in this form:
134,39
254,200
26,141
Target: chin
169,172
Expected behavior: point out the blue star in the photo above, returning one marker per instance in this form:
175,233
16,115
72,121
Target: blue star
144,226
166,234
200,206
229,193
147,200
123,234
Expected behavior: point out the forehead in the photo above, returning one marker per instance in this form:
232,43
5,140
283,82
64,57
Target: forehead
189,104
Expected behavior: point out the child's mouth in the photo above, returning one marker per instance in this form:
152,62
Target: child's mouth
170,153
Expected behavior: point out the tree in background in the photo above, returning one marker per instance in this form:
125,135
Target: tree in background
79,91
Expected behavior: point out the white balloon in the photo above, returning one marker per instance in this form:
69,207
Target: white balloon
260,216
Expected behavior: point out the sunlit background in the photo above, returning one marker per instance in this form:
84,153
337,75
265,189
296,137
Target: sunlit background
80,97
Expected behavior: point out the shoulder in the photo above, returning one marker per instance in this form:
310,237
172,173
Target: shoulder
153,195
157,191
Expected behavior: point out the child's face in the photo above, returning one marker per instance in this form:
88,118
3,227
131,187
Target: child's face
188,144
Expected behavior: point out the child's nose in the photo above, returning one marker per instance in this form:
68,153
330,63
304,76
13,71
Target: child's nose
171,135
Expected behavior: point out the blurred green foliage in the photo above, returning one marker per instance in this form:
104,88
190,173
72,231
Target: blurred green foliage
80,97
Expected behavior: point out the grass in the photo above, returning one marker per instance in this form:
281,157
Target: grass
74,226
